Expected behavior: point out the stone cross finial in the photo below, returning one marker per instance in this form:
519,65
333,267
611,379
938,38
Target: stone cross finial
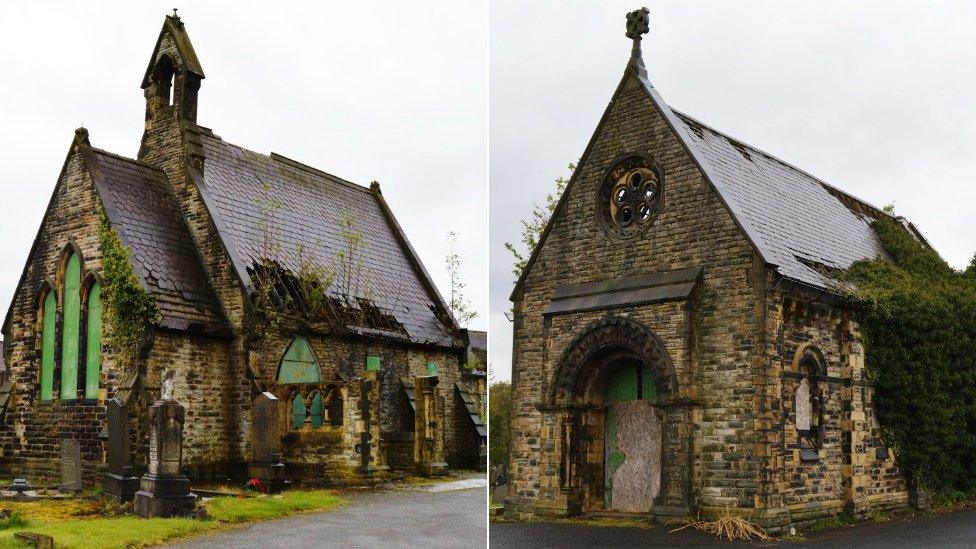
638,24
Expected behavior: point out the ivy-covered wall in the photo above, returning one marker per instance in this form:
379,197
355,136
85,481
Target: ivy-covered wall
918,316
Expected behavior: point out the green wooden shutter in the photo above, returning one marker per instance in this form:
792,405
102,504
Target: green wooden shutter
72,321
93,334
316,410
298,412
372,363
299,364
48,328
432,368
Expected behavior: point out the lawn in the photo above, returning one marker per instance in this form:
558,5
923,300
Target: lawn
80,522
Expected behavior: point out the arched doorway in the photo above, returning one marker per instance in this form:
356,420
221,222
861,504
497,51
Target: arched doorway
614,389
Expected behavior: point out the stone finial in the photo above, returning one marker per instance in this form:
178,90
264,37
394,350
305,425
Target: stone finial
638,24
81,135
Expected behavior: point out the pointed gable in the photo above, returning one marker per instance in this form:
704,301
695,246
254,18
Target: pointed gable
173,38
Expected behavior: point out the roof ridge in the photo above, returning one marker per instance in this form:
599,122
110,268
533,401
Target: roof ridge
127,159
775,158
296,164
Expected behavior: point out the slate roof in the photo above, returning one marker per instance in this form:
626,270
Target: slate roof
802,223
141,207
270,207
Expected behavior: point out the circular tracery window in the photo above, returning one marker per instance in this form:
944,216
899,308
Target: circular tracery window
630,196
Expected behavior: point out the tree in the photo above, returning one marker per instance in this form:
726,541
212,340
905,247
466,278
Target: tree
460,306
532,229
499,422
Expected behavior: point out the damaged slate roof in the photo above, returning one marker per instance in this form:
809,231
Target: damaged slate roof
268,207
805,227
141,207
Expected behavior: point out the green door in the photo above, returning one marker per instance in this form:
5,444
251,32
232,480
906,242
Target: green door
629,381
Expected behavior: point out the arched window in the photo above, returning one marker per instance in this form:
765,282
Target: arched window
164,76
808,400
48,313
298,412
299,364
71,328
316,410
93,335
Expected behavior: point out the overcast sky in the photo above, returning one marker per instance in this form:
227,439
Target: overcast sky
874,97
366,91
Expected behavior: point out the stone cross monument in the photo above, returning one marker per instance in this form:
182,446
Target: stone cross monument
638,24
164,491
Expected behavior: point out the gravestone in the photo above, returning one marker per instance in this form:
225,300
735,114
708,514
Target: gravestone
265,454
164,491
70,465
119,483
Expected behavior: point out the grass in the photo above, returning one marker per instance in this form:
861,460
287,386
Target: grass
80,522
841,520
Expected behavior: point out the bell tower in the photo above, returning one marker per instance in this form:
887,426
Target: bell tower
172,80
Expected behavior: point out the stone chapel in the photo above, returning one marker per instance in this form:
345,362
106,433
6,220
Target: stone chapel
239,276
679,345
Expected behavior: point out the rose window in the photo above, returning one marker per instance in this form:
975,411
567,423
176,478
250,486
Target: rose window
630,197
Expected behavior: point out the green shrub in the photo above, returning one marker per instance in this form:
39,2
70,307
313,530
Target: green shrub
918,320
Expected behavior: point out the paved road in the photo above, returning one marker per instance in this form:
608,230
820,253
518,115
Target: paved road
417,518
950,530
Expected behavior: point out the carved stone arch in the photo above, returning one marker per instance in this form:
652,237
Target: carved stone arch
164,76
809,354
71,248
612,336
89,280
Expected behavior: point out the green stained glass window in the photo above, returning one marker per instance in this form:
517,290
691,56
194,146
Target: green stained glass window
372,363
299,364
93,335
315,412
298,412
48,328
71,328
432,368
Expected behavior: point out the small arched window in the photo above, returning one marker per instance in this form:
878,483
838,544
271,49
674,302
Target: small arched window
71,328
316,410
93,335
299,364
48,313
298,412
808,400
164,76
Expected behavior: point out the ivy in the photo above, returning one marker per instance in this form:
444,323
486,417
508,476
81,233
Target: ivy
918,319
129,307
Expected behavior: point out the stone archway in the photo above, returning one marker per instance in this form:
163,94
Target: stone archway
614,385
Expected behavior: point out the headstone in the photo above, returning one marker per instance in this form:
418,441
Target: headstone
164,491
33,539
70,465
265,455
119,483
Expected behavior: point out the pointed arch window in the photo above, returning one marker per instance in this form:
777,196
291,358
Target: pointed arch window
299,364
298,412
49,312
93,343
316,411
71,328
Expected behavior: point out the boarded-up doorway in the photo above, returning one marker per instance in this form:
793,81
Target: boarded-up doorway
632,447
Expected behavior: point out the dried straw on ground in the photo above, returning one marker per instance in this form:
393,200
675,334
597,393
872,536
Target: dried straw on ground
728,525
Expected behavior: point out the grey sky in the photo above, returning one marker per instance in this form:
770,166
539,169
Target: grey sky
873,97
390,91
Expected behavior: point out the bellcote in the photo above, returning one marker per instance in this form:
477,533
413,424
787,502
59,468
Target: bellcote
172,79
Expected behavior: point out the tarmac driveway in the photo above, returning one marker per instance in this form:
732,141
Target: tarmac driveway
946,530
445,515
